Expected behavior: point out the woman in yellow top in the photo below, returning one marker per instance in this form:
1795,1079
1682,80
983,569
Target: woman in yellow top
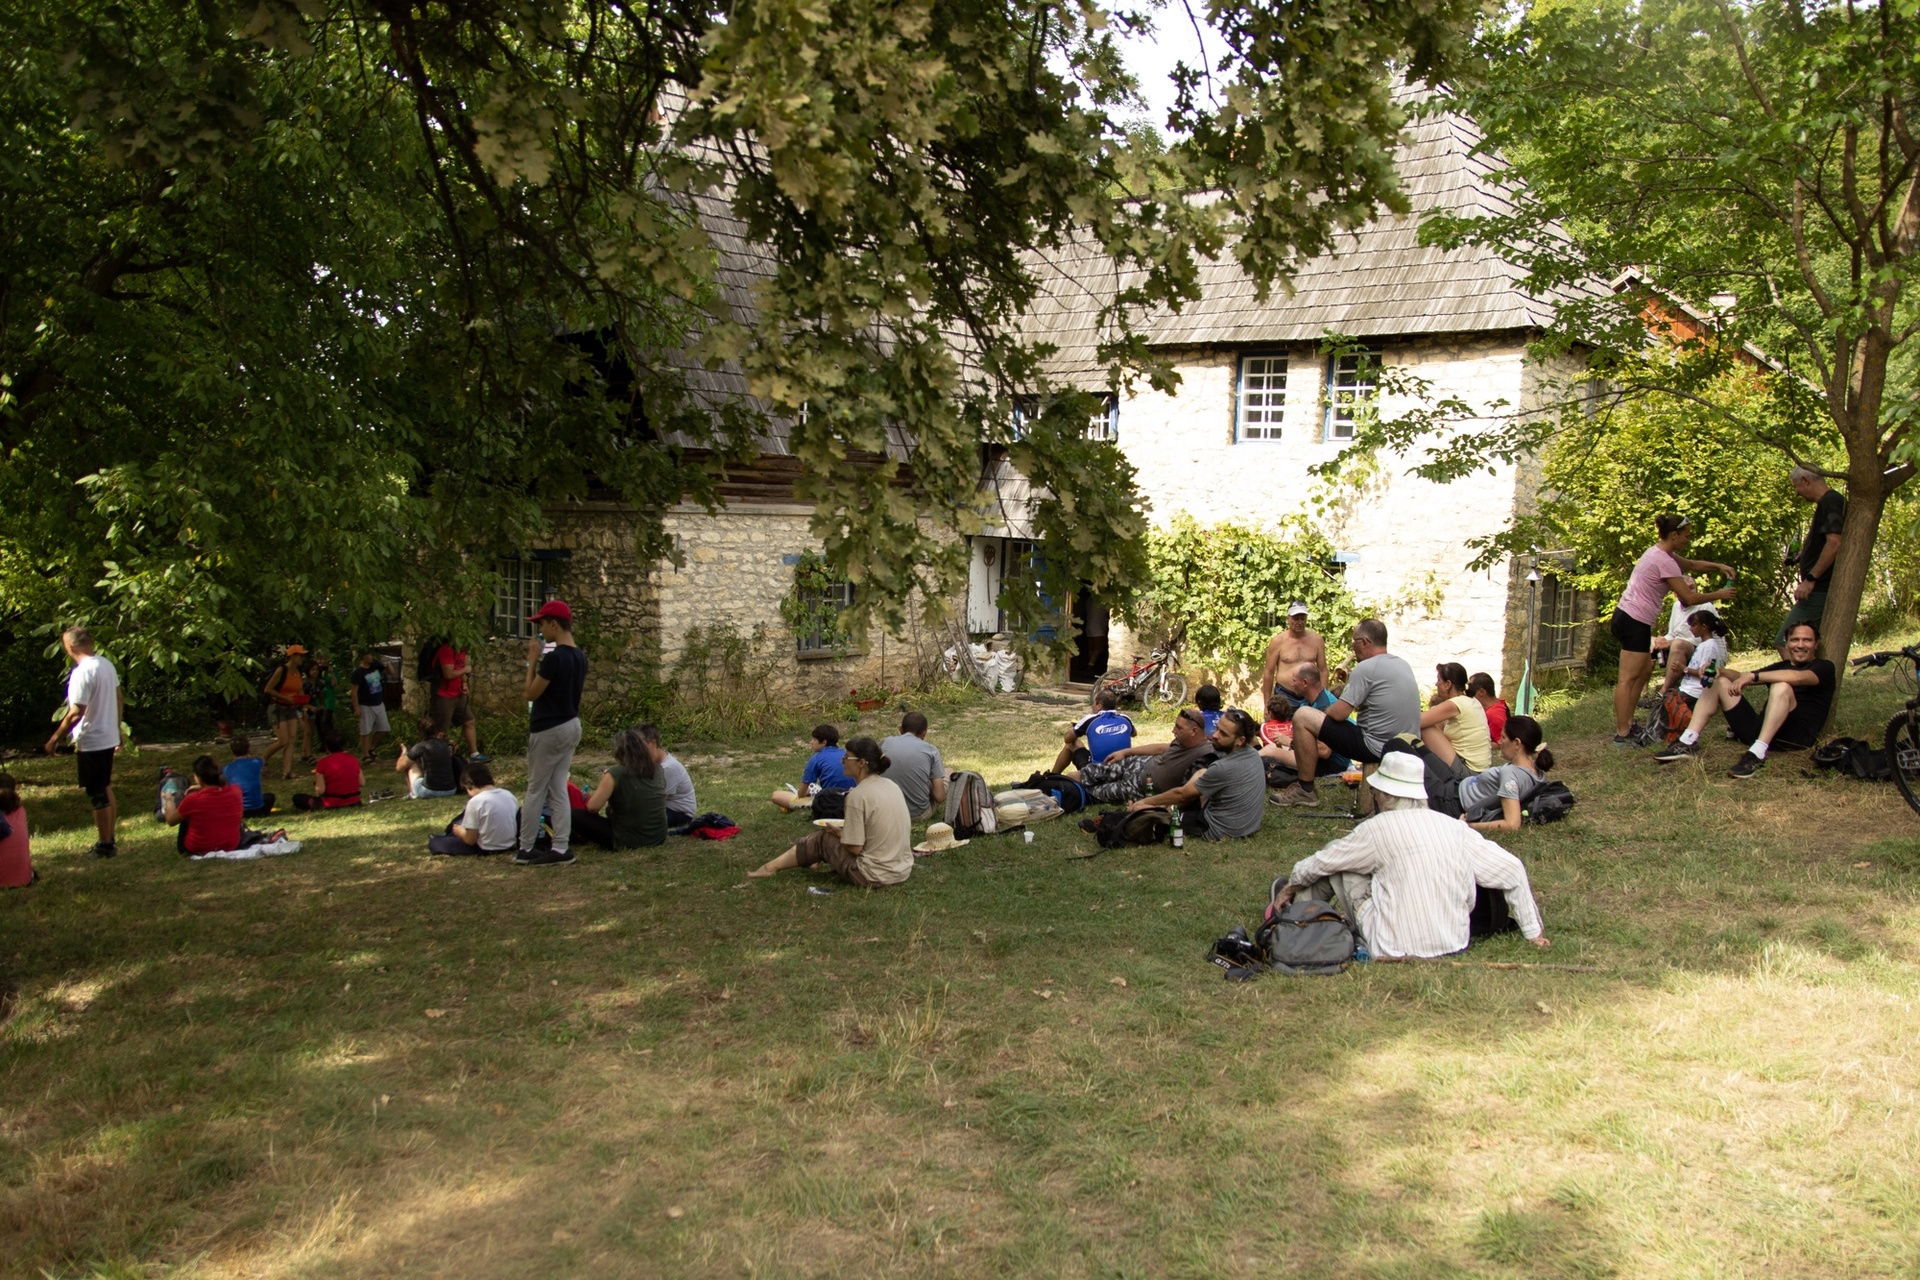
1454,725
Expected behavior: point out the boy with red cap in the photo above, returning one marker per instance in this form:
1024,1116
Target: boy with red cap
555,678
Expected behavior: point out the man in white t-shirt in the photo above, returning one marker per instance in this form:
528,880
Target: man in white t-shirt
94,708
489,824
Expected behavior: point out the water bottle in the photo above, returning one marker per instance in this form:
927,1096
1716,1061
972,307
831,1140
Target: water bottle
1179,831
1360,953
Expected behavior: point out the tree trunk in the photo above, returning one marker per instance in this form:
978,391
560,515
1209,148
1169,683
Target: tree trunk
1866,499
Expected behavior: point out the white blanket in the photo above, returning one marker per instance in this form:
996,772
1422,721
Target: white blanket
273,850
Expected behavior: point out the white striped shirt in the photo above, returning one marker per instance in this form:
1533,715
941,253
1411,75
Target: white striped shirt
1425,867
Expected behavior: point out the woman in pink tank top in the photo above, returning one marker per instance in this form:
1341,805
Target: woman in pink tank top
1660,569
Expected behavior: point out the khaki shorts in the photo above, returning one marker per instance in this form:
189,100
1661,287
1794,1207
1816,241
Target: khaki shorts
448,712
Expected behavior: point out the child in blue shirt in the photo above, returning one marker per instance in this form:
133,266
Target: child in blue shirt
1207,698
244,772
824,772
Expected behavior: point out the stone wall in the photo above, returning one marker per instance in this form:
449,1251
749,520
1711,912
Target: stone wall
1406,537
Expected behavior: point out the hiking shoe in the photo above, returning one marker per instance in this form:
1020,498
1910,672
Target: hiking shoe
1295,795
1678,751
480,757
1746,766
1628,739
102,849
542,858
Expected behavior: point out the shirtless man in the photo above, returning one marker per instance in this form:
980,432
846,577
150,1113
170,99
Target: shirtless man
1289,648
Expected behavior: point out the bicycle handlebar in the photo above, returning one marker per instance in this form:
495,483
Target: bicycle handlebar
1911,653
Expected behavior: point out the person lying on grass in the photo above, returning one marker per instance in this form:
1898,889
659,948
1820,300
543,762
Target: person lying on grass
1492,799
490,824
1150,767
823,772
1799,693
874,846
336,777
628,807
208,815
1226,799
1407,876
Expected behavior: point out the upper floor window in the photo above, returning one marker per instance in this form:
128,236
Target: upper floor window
1260,404
1352,379
522,585
1105,423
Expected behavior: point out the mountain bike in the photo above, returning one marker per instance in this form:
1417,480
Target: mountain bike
1151,681
1903,731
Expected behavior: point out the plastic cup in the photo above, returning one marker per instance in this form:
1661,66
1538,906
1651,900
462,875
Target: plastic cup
1027,836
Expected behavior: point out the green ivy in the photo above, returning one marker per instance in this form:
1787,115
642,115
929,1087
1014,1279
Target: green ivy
1224,590
811,607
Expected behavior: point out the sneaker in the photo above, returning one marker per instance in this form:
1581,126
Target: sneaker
480,757
1746,766
1679,751
1628,739
1295,795
102,849
542,858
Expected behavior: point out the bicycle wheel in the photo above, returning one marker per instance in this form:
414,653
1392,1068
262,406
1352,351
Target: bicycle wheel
1102,685
1172,689
1903,755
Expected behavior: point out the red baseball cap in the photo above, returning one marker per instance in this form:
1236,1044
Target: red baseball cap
555,609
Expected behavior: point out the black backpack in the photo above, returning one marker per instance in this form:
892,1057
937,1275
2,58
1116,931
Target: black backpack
1116,828
424,667
1551,802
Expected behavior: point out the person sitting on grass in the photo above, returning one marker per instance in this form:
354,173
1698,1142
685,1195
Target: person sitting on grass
1799,693
1407,876
823,772
874,846
1380,701
918,770
1300,687
1480,685
628,807
489,825
1105,729
1227,799
1492,799
681,805
1207,698
336,778
1706,654
208,815
16,859
432,773
244,771
1129,775
1454,725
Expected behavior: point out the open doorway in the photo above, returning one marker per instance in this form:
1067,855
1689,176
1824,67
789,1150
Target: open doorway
1091,619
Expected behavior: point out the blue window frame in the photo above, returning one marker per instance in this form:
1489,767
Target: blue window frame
1351,381
1260,397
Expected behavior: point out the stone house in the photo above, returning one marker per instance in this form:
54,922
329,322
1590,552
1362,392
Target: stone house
1259,402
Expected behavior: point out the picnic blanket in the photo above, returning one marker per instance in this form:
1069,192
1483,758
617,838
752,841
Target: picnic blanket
272,849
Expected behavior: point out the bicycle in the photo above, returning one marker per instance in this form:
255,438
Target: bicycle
1903,731
1151,681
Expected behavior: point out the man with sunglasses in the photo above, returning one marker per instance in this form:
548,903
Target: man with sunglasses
1137,771
1227,799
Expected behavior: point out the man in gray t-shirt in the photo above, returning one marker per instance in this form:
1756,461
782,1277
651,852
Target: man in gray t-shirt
1381,701
1231,792
915,766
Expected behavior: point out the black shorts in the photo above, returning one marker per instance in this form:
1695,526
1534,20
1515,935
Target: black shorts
1795,735
96,774
1634,635
1345,738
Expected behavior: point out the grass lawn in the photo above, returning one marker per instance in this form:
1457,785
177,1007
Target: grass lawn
362,1061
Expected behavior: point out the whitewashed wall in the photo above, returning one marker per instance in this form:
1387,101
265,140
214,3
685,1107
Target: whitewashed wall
1401,528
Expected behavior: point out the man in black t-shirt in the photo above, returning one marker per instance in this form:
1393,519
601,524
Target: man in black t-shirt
1817,553
555,679
1799,695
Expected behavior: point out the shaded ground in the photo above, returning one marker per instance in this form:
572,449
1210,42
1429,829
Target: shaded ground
359,1061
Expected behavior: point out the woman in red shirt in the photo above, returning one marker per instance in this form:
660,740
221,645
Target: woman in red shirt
336,777
209,814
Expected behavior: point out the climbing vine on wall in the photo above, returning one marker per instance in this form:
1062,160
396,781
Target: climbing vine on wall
1225,588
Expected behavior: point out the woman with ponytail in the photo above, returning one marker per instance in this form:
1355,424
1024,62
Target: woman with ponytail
873,847
1505,789
1660,569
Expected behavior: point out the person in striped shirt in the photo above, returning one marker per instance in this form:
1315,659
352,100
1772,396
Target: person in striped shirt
1407,876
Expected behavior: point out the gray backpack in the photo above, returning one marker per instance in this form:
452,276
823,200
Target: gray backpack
1306,936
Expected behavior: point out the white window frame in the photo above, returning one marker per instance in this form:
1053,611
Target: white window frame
1348,392
522,585
1260,410
1104,426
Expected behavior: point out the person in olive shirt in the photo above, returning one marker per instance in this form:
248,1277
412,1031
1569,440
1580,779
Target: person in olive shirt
555,680
1817,553
628,809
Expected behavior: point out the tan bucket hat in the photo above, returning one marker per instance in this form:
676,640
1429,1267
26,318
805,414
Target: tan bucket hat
939,838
